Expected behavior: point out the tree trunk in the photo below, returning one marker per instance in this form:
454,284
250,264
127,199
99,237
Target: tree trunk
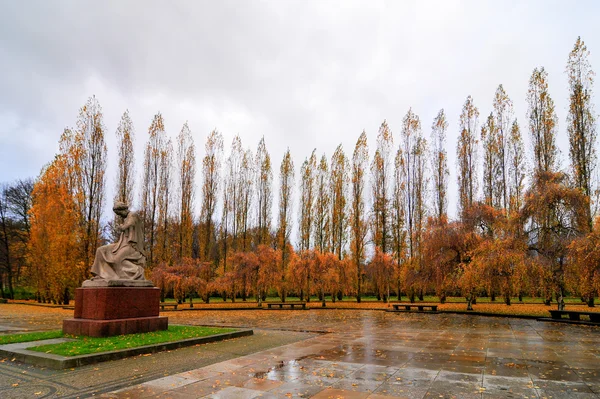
590,301
66,296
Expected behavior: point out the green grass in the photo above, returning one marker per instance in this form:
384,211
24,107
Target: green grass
28,337
87,345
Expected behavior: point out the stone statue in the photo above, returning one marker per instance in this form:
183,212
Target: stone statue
121,264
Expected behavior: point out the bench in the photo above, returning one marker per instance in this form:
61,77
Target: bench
420,307
168,305
280,305
575,315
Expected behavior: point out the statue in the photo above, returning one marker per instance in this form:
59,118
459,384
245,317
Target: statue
122,263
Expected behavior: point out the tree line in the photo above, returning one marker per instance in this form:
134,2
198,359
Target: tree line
366,226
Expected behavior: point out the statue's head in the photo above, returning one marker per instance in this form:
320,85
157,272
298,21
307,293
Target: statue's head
121,208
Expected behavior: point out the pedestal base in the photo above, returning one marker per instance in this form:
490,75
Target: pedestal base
108,311
109,328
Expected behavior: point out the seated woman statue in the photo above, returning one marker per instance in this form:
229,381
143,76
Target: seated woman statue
124,260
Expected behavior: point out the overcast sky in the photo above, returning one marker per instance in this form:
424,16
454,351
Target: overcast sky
304,75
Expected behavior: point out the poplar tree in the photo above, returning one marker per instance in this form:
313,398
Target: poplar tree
211,168
489,140
380,185
286,187
264,192
358,220
503,112
542,123
338,185
126,160
517,168
186,165
307,198
164,241
87,155
321,205
439,164
581,121
151,190
466,154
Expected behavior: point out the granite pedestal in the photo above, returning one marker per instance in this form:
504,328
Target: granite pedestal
109,311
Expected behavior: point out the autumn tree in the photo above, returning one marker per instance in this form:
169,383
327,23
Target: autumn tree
211,167
269,272
446,246
186,170
584,267
264,192
57,262
380,185
542,123
581,121
151,190
554,214
358,217
321,207
466,154
286,187
338,185
439,164
307,198
381,270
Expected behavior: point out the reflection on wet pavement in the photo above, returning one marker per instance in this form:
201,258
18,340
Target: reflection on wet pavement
378,355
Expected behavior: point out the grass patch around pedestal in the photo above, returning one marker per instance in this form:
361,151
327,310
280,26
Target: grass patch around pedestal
28,337
89,345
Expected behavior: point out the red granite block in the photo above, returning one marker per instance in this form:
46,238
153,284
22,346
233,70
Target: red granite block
108,328
78,303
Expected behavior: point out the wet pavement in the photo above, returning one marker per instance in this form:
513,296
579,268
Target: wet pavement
369,354
379,355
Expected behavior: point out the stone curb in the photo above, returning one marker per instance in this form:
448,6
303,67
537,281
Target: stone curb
57,362
580,322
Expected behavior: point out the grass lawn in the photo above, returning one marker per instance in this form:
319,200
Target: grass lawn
87,345
28,337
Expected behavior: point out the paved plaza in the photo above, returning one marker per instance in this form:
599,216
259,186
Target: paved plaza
340,354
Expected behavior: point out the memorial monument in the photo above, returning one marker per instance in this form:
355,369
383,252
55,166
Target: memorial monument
118,299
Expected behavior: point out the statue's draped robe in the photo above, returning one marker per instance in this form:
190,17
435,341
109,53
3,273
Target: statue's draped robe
124,260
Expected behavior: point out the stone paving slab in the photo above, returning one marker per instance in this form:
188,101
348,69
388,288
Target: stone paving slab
19,351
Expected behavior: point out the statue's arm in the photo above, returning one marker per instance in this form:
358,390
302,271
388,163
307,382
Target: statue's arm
128,222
